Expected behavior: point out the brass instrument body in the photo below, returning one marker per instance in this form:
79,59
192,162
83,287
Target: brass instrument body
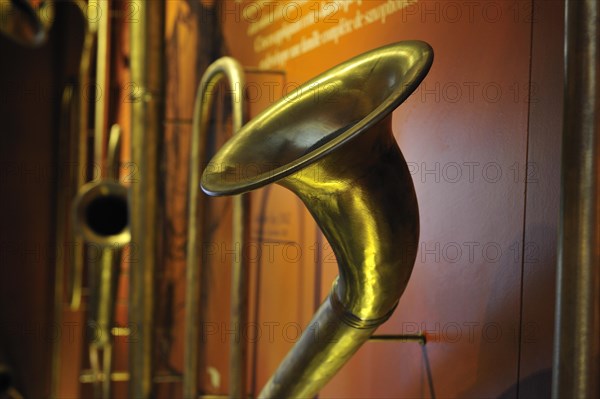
330,142
98,205
101,218
102,215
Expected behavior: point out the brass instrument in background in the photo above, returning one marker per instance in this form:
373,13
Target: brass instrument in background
79,145
224,68
101,217
25,23
331,143
101,213
147,113
123,223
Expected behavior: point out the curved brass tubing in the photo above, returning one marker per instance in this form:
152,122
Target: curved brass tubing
229,69
80,147
331,143
25,23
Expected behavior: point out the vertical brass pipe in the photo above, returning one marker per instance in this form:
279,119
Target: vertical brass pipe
147,57
577,326
229,69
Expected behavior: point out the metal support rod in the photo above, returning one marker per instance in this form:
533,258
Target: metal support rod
577,325
420,338
147,57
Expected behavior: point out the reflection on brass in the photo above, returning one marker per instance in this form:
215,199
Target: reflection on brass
331,143
576,365
25,23
120,331
101,217
147,57
229,69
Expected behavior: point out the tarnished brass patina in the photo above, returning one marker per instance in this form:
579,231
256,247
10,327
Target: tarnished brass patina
225,68
26,23
330,142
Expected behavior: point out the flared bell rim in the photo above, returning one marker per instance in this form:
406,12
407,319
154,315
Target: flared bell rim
417,57
86,195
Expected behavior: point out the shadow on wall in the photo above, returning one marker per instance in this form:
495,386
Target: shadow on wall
506,298
537,385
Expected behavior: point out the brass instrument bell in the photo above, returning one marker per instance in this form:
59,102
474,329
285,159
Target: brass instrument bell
331,143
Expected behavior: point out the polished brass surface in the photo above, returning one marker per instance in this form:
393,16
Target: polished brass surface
576,365
25,23
147,58
330,142
228,69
